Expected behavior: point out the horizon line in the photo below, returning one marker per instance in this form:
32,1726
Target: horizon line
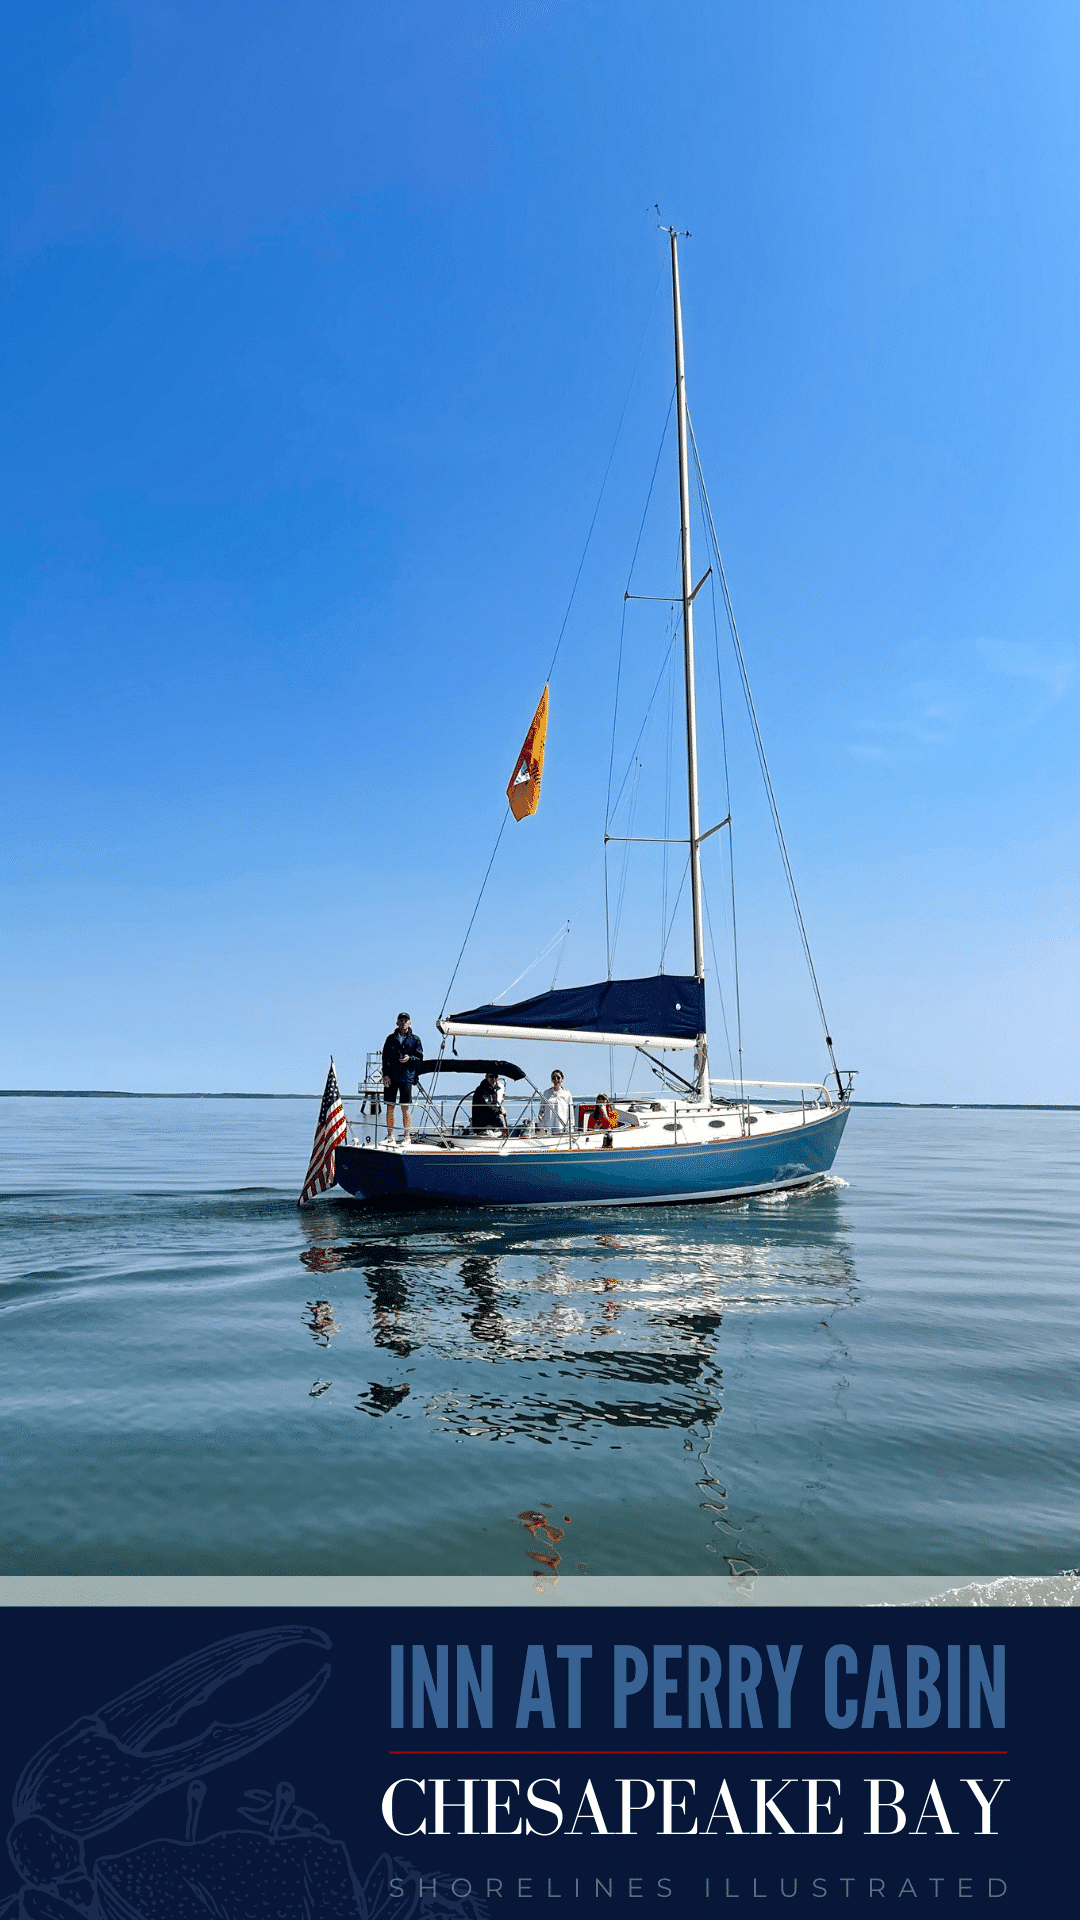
121,1093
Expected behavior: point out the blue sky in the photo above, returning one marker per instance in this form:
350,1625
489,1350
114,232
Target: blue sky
320,323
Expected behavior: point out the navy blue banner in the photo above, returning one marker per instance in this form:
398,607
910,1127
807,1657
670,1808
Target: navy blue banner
377,1764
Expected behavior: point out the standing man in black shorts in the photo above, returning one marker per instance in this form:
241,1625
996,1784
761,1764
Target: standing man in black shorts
401,1054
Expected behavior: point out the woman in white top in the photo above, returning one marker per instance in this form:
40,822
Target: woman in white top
557,1106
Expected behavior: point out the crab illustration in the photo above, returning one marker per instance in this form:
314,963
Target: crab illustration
103,1768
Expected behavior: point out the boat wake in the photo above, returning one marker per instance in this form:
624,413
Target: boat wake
796,1196
1014,1590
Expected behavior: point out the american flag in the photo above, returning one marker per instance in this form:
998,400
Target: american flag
330,1134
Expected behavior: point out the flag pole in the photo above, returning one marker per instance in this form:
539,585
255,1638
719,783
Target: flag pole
331,1132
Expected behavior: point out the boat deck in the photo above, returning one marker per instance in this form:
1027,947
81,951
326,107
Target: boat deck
642,1123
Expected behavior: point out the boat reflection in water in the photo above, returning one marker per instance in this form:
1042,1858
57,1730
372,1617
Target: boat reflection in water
582,1336
320,1323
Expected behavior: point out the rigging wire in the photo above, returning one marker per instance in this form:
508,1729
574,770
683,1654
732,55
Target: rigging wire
611,758
735,957
625,862
719,988
674,618
570,602
652,483
762,761
618,672
559,961
562,933
633,763
475,911
731,851
607,470
667,925
720,698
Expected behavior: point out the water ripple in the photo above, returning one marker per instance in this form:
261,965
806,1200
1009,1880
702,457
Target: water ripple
872,1376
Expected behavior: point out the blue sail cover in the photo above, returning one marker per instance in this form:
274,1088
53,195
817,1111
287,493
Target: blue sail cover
670,1004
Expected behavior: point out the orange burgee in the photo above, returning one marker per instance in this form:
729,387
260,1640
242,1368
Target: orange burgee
523,792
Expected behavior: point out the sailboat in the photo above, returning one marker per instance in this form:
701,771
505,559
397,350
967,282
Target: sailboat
709,1141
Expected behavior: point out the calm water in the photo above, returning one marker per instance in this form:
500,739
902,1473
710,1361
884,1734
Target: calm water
875,1377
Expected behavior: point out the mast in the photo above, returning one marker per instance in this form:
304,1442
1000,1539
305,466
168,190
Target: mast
688,657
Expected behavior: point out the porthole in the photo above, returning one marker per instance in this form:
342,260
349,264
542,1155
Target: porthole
718,1123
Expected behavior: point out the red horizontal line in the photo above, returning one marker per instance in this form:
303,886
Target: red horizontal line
695,1753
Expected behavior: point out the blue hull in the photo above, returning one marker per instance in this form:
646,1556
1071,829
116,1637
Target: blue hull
638,1176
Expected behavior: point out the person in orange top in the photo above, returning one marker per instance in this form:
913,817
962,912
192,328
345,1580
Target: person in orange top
603,1114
